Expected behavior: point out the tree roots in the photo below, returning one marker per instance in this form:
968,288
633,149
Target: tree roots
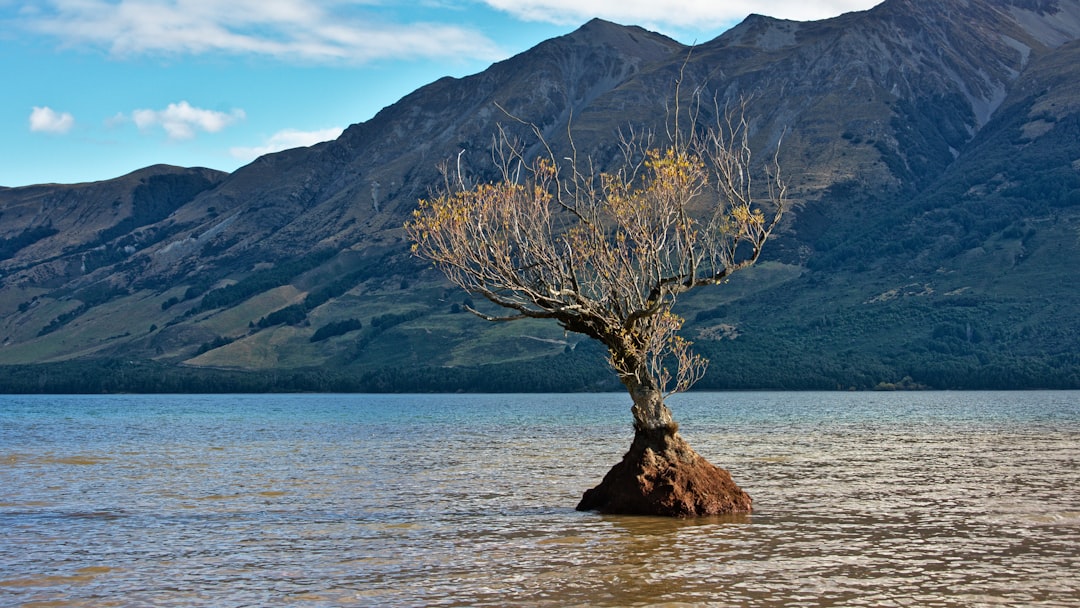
663,475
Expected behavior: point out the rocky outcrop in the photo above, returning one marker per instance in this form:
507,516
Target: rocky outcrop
663,475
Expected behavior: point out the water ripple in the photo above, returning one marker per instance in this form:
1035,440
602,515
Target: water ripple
936,499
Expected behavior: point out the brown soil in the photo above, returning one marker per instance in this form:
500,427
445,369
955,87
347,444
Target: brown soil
663,475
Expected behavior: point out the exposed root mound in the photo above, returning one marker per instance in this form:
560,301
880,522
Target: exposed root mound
663,475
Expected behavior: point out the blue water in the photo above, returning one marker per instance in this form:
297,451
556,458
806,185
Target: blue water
861,499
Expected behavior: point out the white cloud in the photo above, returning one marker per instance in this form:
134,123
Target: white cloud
47,120
676,13
182,120
294,30
284,140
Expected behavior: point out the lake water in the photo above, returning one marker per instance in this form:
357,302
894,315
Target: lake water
861,499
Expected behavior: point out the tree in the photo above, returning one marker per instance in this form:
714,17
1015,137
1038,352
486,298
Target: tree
606,254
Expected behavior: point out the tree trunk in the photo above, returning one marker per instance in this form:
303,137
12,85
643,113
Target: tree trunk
662,474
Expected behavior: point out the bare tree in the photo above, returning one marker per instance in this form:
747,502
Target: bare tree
606,254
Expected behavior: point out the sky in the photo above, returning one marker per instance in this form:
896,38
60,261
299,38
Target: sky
94,89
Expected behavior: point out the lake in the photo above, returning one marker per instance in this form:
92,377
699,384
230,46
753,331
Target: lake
861,499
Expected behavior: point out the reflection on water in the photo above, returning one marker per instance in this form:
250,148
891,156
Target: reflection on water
928,499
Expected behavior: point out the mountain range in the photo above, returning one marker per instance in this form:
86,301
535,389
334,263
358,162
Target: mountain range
932,154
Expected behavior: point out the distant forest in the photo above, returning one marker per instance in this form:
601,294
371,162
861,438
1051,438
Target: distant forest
581,370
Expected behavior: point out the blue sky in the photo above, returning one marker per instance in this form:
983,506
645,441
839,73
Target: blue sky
94,89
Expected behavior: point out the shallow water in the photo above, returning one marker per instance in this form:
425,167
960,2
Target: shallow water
866,499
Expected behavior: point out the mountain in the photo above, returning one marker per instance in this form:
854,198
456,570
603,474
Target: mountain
932,151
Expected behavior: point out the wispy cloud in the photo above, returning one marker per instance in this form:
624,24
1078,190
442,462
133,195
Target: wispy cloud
284,140
293,30
675,13
47,120
182,120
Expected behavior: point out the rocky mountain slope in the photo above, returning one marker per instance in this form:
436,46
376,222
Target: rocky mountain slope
932,149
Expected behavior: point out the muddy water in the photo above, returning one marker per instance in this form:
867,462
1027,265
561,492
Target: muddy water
917,499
